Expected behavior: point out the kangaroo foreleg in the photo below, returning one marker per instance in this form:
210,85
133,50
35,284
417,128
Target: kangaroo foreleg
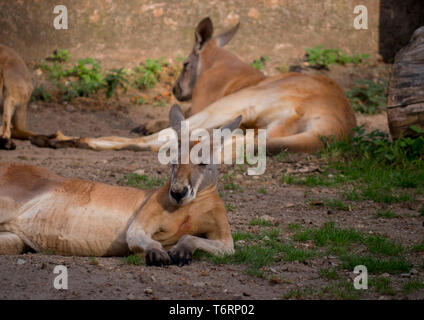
139,240
182,252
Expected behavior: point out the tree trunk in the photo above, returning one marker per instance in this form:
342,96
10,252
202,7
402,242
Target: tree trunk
405,107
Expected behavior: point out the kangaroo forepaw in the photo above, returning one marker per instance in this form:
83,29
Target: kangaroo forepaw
181,256
141,130
7,144
42,141
157,257
53,142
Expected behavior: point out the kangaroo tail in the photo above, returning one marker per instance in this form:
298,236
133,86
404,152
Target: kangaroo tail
302,142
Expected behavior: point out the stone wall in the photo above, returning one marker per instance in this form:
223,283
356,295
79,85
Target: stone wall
125,32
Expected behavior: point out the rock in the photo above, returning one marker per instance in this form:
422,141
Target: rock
405,275
267,218
140,172
246,294
273,270
385,275
414,271
153,278
70,108
33,107
253,13
266,238
240,242
148,291
131,296
199,284
21,261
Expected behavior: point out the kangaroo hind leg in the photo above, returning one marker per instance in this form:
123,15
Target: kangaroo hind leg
8,111
19,122
10,243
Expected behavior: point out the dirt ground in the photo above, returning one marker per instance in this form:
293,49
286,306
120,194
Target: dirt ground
30,276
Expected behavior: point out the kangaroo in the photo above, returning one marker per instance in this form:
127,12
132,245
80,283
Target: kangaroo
15,91
76,217
295,109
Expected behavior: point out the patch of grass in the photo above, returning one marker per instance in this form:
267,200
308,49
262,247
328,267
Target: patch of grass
329,274
297,294
320,57
54,71
134,259
140,100
386,214
337,204
89,79
340,290
380,245
310,180
230,207
60,55
262,190
368,96
260,63
418,247
261,250
294,226
93,261
375,264
341,242
114,79
329,234
382,285
286,179
149,73
40,93
412,286
232,186
380,170
142,181
260,222
282,156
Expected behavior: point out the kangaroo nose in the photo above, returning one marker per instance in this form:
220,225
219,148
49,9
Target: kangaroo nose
179,195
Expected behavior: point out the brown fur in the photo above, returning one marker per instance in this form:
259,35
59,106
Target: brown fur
295,109
78,217
15,91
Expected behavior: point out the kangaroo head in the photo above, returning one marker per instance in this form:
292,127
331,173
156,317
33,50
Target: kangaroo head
192,66
187,180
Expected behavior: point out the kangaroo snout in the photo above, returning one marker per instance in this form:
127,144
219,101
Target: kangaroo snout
178,193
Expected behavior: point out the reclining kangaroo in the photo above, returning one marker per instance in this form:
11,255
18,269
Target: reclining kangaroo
15,90
76,217
296,109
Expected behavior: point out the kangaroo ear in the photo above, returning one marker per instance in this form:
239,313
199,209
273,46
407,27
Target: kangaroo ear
176,115
226,36
233,125
203,33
